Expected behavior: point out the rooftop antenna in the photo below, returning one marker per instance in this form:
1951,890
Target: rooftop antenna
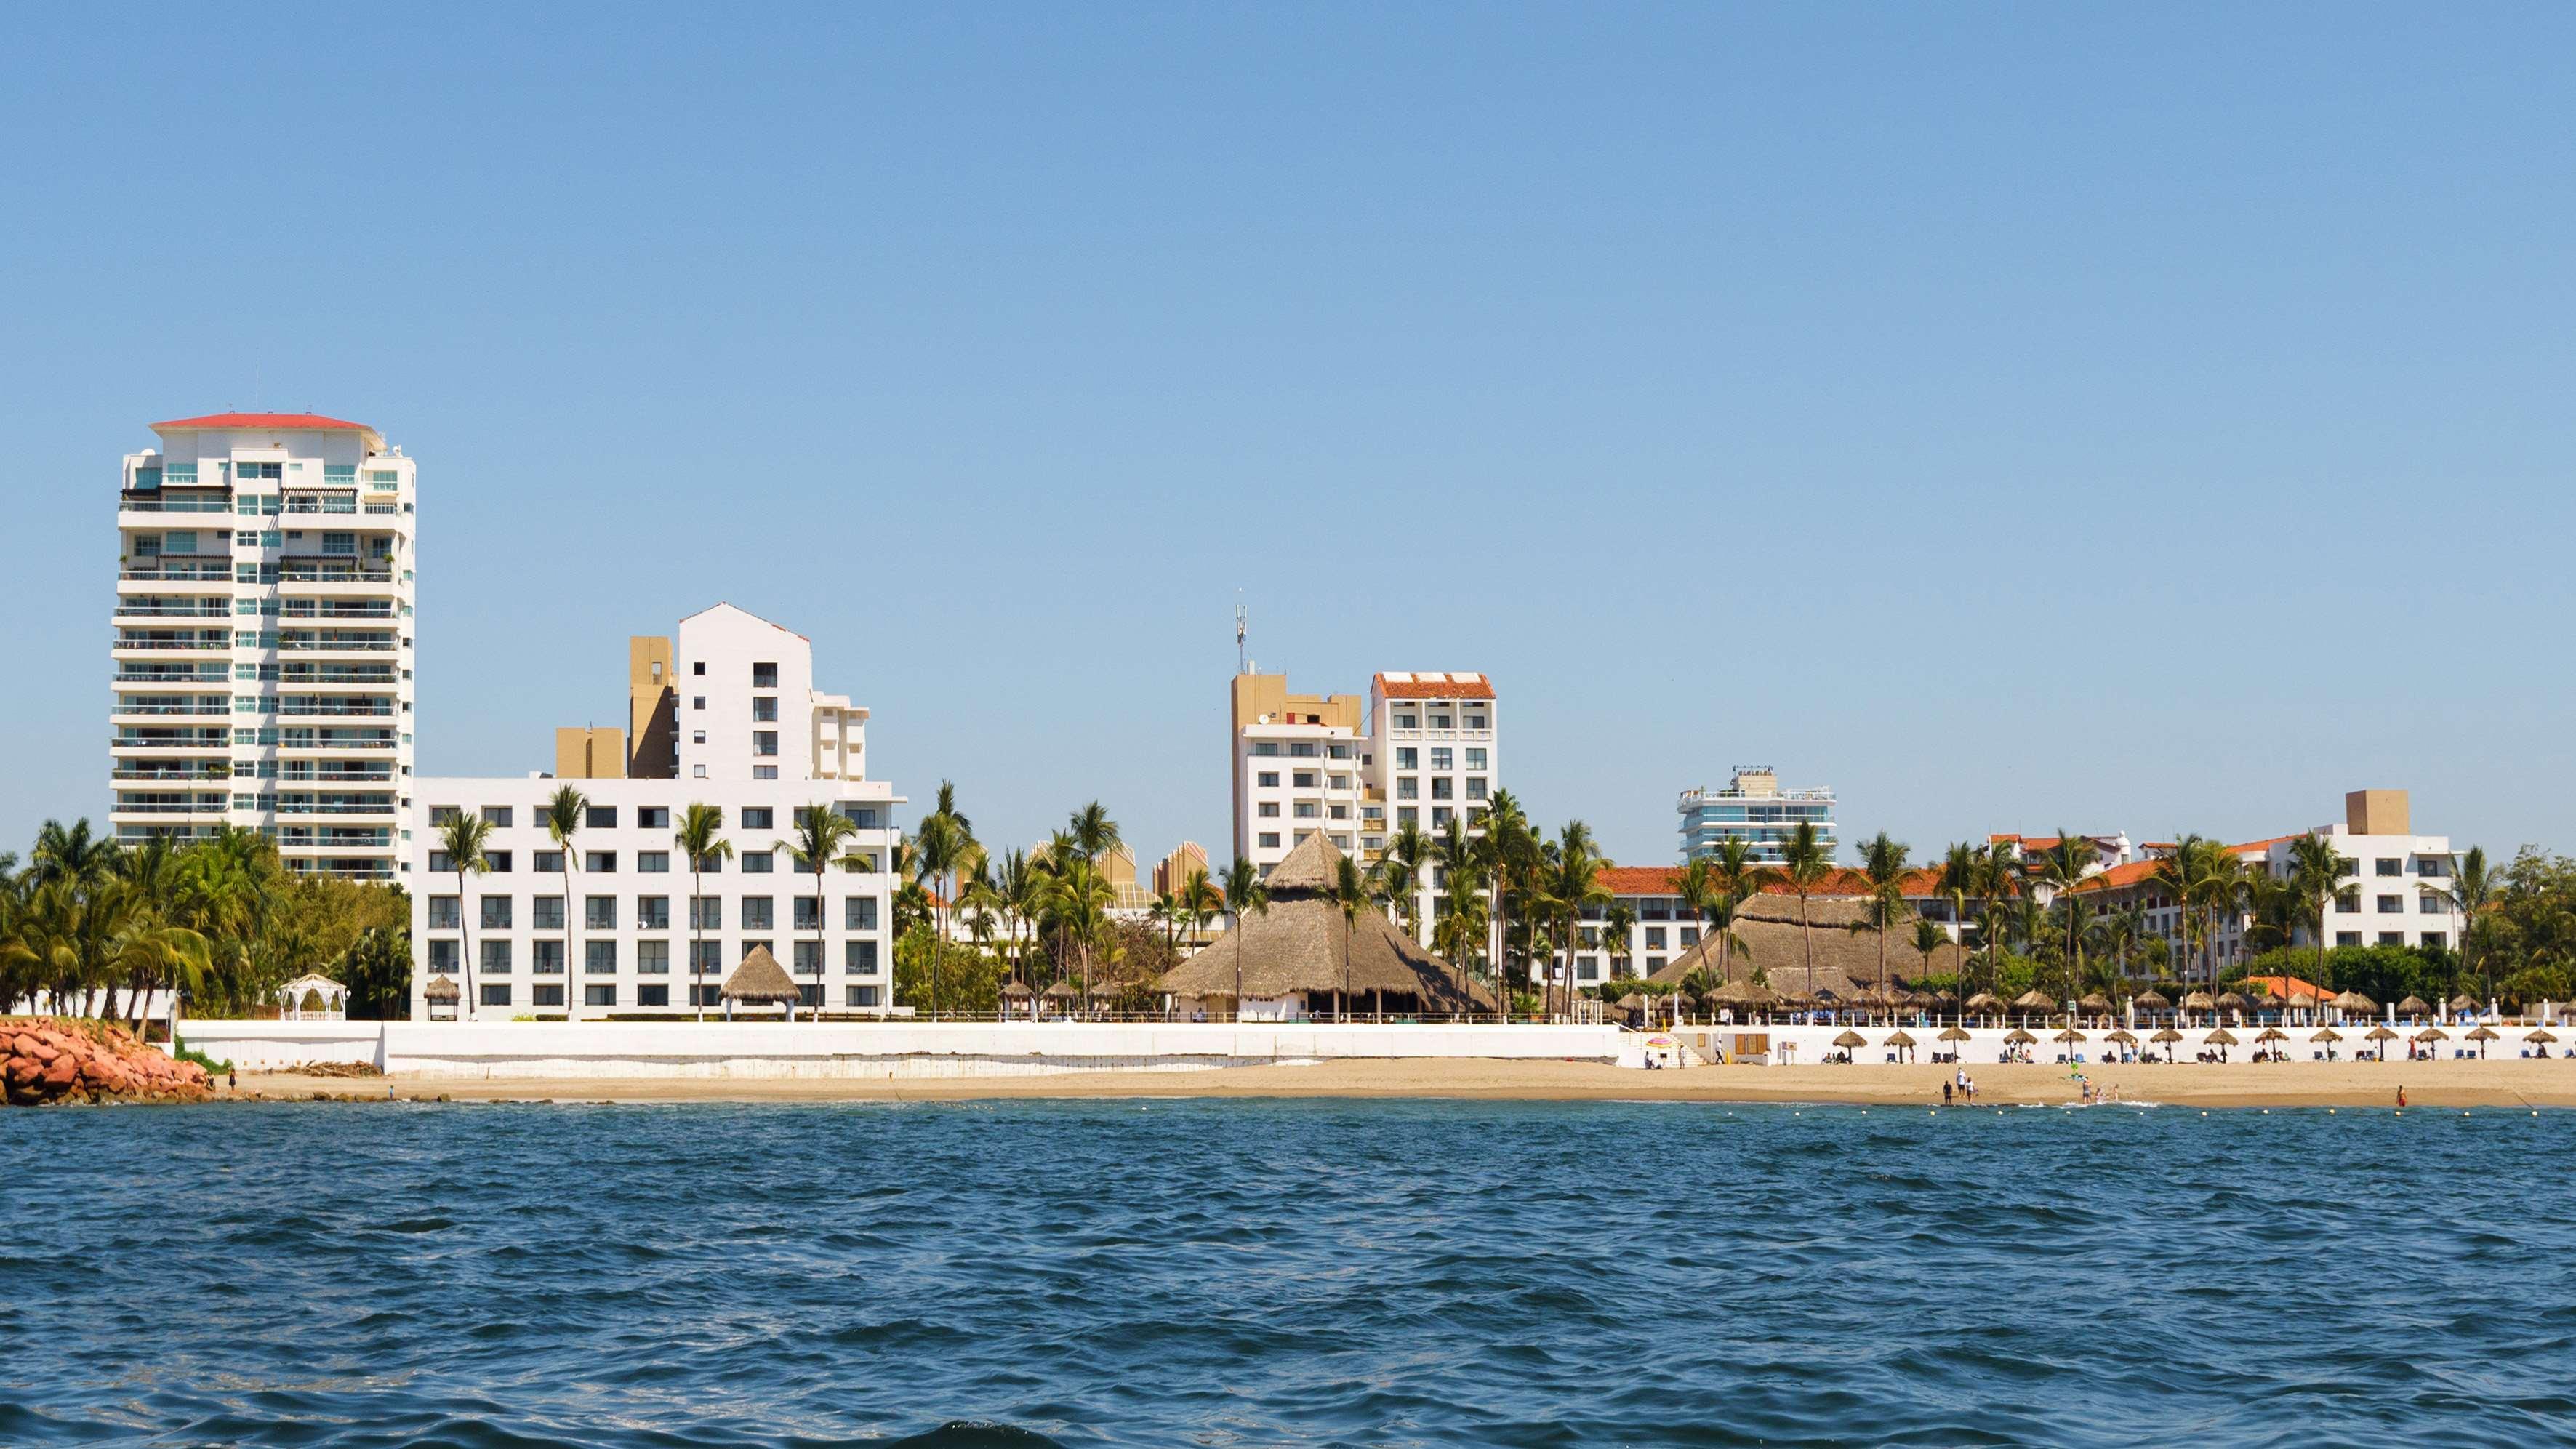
1240,618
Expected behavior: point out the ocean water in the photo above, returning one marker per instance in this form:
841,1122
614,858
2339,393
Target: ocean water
1233,1273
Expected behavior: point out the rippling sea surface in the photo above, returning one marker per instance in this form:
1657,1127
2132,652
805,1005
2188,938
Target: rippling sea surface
1282,1272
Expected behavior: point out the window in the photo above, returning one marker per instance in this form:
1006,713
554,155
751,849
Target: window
496,958
1268,779
2347,938
546,995
859,913
1440,756
859,958
1270,838
809,958
1654,938
697,701
809,913
442,958
1475,787
1268,810
2432,867
652,913
764,709
2347,866
599,913
861,997
764,676
2392,938
2392,865
706,958
698,668
1408,758
546,958
764,772
2349,902
1689,935
698,771
652,817
653,862
602,861
758,862
1476,759
1265,747
653,958
2435,940
758,817
494,994
549,914
442,815
764,743
549,862
2391,905
496,913
1341,812
2433,905
1408,721
1407,815
1301,750
711,865
653,995
443,913
706,913
1443,788
496,862
1440,817
698,737
600,817
599,958
1475,720
1305,809
1407,788
1302,780
496,816
757,914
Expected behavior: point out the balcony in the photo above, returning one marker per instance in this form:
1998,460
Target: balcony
338,609
376,870
193,609
304,573
216,573
150,644
221,708
307,708
216,674
365,644
300,742
172,777
334,837
321,505
375,676
305,774
168,503
122,808
175,740
291,806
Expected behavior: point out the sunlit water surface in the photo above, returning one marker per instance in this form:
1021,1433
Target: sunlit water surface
1283,1272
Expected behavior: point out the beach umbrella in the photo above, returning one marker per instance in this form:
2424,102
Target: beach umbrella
2327,1033
2220,1037
2481,1036
2070,1034
2383,1036
1981,1003
1901,1042
2301,1001
2018,1037
2166,1038
1953,1033
2095,1003
2540,1036
2432,1033
2354,1003
2152,1000
2271,1033
2463,1002
1851,1039
2414,1006
2235,1001
2199,1001
2122,1036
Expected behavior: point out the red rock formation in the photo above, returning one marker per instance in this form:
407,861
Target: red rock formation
43,1059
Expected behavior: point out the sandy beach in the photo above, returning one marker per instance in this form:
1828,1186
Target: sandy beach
2510,1082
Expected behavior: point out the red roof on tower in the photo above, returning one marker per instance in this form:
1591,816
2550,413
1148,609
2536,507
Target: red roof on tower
260,422
1434,686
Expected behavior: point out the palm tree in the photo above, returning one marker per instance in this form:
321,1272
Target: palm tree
1929,938
1079,897
821,832
1465,925
1454,858
939,847
1736,866
2473,892
460,838
563,822
2317,870
1999,881
1507,848
1199,900
1407,852
1618,935
1350,893
1019,887
1806,865
701,839
2063,867
71,855
1883,859
1574,886
1093,832
1244,892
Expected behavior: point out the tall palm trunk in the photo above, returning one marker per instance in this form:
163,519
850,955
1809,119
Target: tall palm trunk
465,943
572,967
697,936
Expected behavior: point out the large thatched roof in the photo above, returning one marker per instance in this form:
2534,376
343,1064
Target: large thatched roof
760,978
1846,960
1297,946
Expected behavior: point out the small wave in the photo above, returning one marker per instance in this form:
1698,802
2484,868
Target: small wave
974,1434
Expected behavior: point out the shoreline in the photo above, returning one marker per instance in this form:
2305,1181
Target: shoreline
2503,1082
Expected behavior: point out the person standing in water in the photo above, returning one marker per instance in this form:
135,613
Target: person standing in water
2401,1096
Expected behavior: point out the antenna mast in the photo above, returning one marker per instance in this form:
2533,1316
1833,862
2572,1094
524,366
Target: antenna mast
1240,667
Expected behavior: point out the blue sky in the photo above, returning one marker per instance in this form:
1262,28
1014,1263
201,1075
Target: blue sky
2014,416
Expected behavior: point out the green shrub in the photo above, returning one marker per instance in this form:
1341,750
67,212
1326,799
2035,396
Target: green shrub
187,1053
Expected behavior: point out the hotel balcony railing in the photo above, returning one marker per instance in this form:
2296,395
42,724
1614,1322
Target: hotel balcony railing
294,776
321,505
334,838
191,610
306,574
375,643
223,708
343,869
336,674
174,740
293,708
130,641
212,808
292,743
312,807
180,573
174,777
384,508
353,609
146,503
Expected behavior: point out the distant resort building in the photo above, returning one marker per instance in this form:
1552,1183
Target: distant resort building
1753,808
726,715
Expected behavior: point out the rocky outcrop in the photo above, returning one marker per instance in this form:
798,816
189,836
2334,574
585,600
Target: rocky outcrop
46,1059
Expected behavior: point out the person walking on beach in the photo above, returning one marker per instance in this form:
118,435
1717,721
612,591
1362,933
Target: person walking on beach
2401,1096
1945,1094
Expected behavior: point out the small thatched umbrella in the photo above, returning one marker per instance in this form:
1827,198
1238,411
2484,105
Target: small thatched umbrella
2328,1035
1982,1004
2121,1035
1061,996
1953,1033
2353,1003
2199,1001
2067,1037
2540,1036
2095,1004
1850,1039
441,991
2033,1000
2152,1000
2414,1008
2166,1039
1632,1002
2482,1036
2018,1037
1903,1043
2431,1033
2300,1001
2383,1036
1016,996
759,981
2235,1001
2463,1002
2270,1033
2219,1038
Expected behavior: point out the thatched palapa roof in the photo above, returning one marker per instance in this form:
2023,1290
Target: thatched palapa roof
1846,958
1296,946
760,979
440,988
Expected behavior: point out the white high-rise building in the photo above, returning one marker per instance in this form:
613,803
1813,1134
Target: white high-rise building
1753,808
1420,750
263,644
727,717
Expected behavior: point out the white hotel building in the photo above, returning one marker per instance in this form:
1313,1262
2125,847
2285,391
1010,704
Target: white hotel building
1755,809
1421,750
263,638
708,722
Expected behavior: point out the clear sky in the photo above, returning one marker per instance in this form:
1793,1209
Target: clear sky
2142,417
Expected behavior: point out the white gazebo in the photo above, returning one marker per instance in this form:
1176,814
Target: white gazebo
312,997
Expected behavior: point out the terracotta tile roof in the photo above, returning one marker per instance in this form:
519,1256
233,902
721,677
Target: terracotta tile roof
2263,844
1658,880
1403,685
259,422
2136,872
2284,987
